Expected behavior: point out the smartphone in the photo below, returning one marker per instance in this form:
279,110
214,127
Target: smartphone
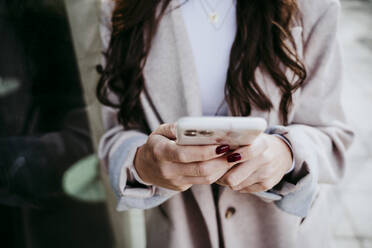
233,131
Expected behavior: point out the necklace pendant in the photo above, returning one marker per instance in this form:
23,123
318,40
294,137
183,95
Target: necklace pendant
213,17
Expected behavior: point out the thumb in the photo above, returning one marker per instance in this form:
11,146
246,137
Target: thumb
168,130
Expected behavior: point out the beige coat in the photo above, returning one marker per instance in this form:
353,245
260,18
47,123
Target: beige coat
317,132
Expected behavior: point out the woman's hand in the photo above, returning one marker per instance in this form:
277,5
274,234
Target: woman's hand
262,165
163,163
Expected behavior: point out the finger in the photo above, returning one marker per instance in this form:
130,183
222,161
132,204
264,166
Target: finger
247,153
168,130
266,174
249,181
257,187
200,180
241,172
180,188
209,168
173,186
193,153
266,183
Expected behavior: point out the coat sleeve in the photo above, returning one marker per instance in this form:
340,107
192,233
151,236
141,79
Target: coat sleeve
117,150
318,133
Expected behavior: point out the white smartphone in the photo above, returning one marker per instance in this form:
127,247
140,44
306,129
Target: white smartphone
233,131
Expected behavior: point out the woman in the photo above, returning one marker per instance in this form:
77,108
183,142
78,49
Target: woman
278,60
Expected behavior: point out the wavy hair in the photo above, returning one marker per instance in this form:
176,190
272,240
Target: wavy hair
263,27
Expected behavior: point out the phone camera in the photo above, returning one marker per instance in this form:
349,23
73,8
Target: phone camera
206,133
190,133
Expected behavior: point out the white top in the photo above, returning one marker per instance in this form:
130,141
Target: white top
211,47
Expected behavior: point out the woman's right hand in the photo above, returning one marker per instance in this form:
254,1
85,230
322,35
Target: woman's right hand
163,163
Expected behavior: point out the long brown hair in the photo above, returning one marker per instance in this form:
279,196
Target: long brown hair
263,26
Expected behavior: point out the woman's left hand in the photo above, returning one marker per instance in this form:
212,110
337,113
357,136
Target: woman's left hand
258,167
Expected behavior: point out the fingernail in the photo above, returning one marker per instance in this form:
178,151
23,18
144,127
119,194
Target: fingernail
234,157
222,149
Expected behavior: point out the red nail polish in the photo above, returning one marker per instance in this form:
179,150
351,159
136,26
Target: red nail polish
234,157
222,149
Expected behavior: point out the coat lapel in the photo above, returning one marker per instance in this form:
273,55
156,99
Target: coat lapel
173,88
170,73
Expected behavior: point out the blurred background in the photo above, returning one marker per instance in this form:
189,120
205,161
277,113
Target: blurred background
352,208
50,192
45,133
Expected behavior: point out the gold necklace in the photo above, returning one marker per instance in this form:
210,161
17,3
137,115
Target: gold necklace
212,14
